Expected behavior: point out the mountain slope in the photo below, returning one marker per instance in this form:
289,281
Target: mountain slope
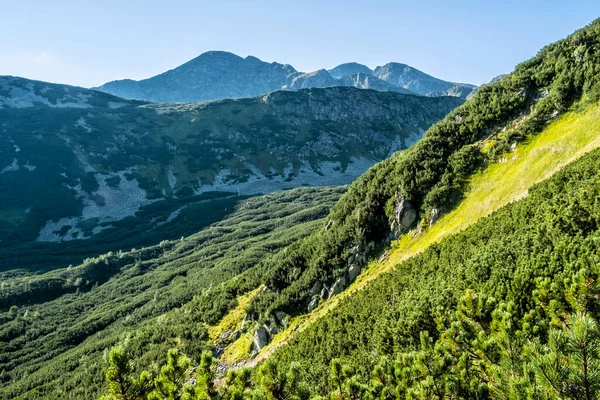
349,69
563,142
412,79
414,188
111,159
213,75
216,75
509,265
54,335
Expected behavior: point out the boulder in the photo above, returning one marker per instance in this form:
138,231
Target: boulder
280,315
273,328
353,272
313,304
403,218
324,293
316,289
261,337
338,286
236,335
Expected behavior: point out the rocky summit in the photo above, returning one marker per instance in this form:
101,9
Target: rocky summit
218,75
74,162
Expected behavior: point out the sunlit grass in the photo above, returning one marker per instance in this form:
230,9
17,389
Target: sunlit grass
233,319
574,134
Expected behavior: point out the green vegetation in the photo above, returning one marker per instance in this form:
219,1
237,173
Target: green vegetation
110,165
53,337
434,173
507,309
531,265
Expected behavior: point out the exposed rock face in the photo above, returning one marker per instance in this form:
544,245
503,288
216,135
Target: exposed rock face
339,285
364,81
403,218
353,272
261,337
434,215
316,289
320,79
217,75
324,295
312,305
281,319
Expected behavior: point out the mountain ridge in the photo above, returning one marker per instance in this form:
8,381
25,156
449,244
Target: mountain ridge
112,160
215,75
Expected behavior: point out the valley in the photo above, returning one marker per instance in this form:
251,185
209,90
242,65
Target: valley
238,229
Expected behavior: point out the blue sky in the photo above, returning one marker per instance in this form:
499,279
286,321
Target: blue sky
90,42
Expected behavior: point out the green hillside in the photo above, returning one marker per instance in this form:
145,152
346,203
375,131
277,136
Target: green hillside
415,187
54,327
83,172
524,269
507,308
464,267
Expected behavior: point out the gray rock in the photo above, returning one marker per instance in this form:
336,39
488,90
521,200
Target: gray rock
316,289
385,256
273,328
218,75
281,316
313,304
403,218
324,293
339,285
353,272
236,335
261,337
434,215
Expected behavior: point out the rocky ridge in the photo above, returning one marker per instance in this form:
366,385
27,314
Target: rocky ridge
218,75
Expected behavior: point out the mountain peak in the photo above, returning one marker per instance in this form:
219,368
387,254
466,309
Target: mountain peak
351,68
216,75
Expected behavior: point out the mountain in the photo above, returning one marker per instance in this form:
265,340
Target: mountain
77,163
211,76
349,69
82,309
466,266
410,78
218,75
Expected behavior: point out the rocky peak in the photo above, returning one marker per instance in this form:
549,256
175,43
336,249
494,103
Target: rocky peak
351,68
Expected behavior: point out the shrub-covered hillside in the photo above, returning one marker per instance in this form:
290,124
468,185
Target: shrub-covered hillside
55,327
416,186
77,164
507,309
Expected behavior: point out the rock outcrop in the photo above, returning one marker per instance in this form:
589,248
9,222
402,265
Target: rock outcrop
262,337
403,217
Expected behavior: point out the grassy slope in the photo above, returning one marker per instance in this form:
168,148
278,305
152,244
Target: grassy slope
54,349
563,141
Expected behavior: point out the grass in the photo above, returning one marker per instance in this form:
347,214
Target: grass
563,141
233,319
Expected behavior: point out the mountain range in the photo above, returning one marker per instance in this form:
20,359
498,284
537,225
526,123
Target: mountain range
91,160
218,75
466,266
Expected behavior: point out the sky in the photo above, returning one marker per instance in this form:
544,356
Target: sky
87,43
